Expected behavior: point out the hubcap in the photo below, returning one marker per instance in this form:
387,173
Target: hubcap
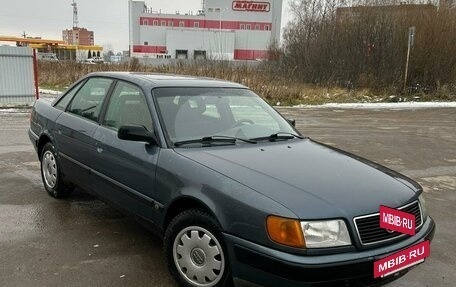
49,169
198,256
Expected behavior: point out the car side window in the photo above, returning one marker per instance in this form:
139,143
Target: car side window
63,102
127,106
89,99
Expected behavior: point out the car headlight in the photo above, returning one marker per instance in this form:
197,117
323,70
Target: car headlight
307,234
328,233
423,206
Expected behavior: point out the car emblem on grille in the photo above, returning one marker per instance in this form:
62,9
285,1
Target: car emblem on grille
389,231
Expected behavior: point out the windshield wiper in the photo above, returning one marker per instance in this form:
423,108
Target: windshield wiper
279,136
214,139
233,138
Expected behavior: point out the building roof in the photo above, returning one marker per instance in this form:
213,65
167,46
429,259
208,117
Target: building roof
78,29
31,40
70,47
38,43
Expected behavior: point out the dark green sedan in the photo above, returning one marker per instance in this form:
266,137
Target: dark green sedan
238,195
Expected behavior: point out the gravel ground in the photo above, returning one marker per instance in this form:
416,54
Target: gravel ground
83,242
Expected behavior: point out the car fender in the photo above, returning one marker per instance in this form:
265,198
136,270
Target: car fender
239,209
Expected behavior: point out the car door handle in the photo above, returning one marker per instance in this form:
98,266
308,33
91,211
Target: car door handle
99,147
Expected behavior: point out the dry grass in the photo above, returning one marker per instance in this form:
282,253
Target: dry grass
264,81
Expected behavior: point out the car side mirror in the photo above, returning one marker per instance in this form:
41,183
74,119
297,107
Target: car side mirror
136,133
292,122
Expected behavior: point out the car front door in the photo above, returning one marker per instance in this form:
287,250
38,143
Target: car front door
75,128
125,170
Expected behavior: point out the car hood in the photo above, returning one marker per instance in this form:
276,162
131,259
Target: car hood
311,179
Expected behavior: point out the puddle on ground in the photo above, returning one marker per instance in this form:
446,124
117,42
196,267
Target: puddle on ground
17,221
438,183
32,175
32,164
388,128
394,161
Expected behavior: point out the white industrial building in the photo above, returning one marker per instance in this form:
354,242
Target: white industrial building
222,29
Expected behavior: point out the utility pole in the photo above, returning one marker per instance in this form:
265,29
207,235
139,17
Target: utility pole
411,40
220,32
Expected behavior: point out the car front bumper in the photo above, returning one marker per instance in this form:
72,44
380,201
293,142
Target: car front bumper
256,265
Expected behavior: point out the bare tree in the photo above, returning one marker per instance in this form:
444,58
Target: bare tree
363,43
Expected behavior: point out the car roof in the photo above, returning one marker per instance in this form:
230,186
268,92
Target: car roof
154,80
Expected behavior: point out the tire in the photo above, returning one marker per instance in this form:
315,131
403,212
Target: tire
51,175
190,260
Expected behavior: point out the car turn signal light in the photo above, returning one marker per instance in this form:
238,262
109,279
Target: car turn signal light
285,231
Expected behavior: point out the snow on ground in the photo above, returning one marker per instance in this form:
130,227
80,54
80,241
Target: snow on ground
14,110
45,93
403,105
52,94
49,92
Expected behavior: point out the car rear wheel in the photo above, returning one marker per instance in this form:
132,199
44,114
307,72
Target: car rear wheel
50,173
195,251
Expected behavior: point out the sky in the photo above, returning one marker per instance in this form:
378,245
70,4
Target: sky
107,18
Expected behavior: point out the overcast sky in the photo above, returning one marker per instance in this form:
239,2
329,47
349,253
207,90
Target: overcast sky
107,18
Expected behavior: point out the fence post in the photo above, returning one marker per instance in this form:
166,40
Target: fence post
35,73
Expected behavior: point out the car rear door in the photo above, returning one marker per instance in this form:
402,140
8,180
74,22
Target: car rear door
125,170
75,128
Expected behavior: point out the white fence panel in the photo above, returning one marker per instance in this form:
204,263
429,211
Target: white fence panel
17,80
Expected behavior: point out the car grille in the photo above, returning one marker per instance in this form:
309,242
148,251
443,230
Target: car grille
370,232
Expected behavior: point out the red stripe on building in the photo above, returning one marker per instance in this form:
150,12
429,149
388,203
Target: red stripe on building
149,49
205,24
240,54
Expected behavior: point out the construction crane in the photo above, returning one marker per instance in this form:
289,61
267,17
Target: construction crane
75,14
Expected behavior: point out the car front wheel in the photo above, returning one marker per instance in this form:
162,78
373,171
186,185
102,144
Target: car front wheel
195,250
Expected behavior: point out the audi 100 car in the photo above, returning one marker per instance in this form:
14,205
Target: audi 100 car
238,195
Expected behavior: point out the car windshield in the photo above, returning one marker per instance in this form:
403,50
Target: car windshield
195,113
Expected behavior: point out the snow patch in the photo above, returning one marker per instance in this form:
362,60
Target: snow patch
49,92
12,110
403,105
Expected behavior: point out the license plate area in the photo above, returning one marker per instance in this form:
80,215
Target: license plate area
411,265
403,259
